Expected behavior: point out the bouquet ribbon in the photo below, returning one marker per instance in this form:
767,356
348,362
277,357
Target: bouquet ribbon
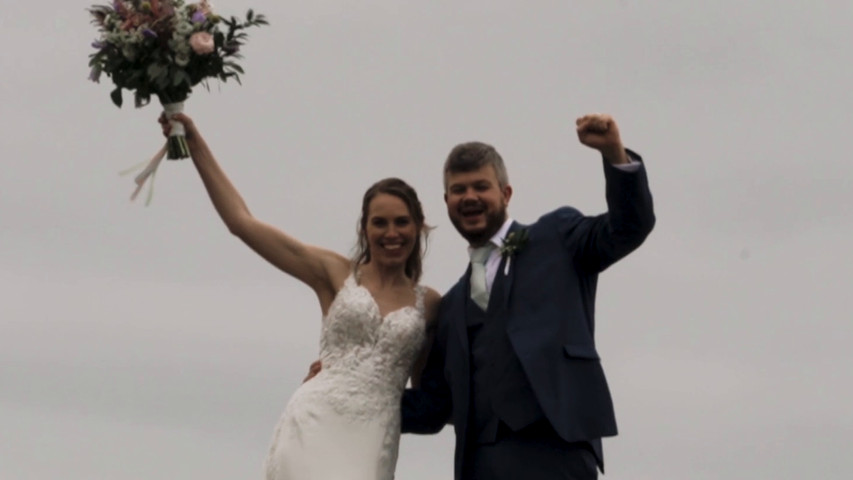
147,172
151,167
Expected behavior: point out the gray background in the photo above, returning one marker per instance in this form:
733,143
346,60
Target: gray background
146,343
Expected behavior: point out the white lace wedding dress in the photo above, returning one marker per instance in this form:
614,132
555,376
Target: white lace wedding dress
344,424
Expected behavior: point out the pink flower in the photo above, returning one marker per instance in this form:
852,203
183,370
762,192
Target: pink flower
204,7
202,43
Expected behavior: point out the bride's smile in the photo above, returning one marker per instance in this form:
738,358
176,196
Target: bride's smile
391,230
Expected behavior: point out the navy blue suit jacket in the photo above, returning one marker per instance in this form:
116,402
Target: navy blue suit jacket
549,309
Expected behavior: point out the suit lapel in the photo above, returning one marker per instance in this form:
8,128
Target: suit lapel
507,275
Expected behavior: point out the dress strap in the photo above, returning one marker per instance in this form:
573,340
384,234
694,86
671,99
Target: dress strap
420,293
352,279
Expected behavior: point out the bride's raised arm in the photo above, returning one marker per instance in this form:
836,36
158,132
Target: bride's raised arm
322,270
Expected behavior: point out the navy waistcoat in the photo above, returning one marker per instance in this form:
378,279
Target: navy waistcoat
500,391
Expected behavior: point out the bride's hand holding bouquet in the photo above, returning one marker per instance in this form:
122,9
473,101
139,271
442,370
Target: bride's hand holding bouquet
164,48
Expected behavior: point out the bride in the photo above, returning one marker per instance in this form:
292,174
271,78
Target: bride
345,422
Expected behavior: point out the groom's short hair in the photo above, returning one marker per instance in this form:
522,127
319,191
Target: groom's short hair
472,156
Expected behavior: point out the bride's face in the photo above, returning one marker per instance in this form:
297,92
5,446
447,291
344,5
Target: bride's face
391,231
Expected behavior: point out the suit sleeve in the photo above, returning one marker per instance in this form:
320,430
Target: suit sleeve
602,240
428,408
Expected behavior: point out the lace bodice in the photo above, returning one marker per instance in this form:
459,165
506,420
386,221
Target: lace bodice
371,355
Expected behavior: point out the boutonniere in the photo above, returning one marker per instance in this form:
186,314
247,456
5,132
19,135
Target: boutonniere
512,244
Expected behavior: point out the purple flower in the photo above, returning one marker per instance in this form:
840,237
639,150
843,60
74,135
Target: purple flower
148,33
199,17
98,44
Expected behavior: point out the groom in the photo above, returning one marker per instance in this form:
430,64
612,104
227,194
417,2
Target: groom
514,366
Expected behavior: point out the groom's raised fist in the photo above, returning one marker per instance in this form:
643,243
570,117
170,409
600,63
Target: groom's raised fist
600,132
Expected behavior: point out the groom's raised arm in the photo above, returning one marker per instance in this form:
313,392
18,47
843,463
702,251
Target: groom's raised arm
602,240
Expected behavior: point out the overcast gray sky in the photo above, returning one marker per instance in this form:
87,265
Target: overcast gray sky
147,343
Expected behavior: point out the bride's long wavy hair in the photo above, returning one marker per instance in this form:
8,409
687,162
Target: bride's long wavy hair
403,191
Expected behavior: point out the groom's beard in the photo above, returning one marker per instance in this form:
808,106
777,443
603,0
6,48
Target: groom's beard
494,221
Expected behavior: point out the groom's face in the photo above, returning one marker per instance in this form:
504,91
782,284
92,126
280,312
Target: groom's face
476,203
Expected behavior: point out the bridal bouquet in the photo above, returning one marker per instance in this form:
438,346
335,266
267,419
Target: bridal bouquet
164,48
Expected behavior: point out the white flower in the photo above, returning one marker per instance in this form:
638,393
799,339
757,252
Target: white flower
182,59
179,45
182,25
129,52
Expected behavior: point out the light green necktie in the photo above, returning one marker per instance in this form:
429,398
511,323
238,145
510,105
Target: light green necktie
479,293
